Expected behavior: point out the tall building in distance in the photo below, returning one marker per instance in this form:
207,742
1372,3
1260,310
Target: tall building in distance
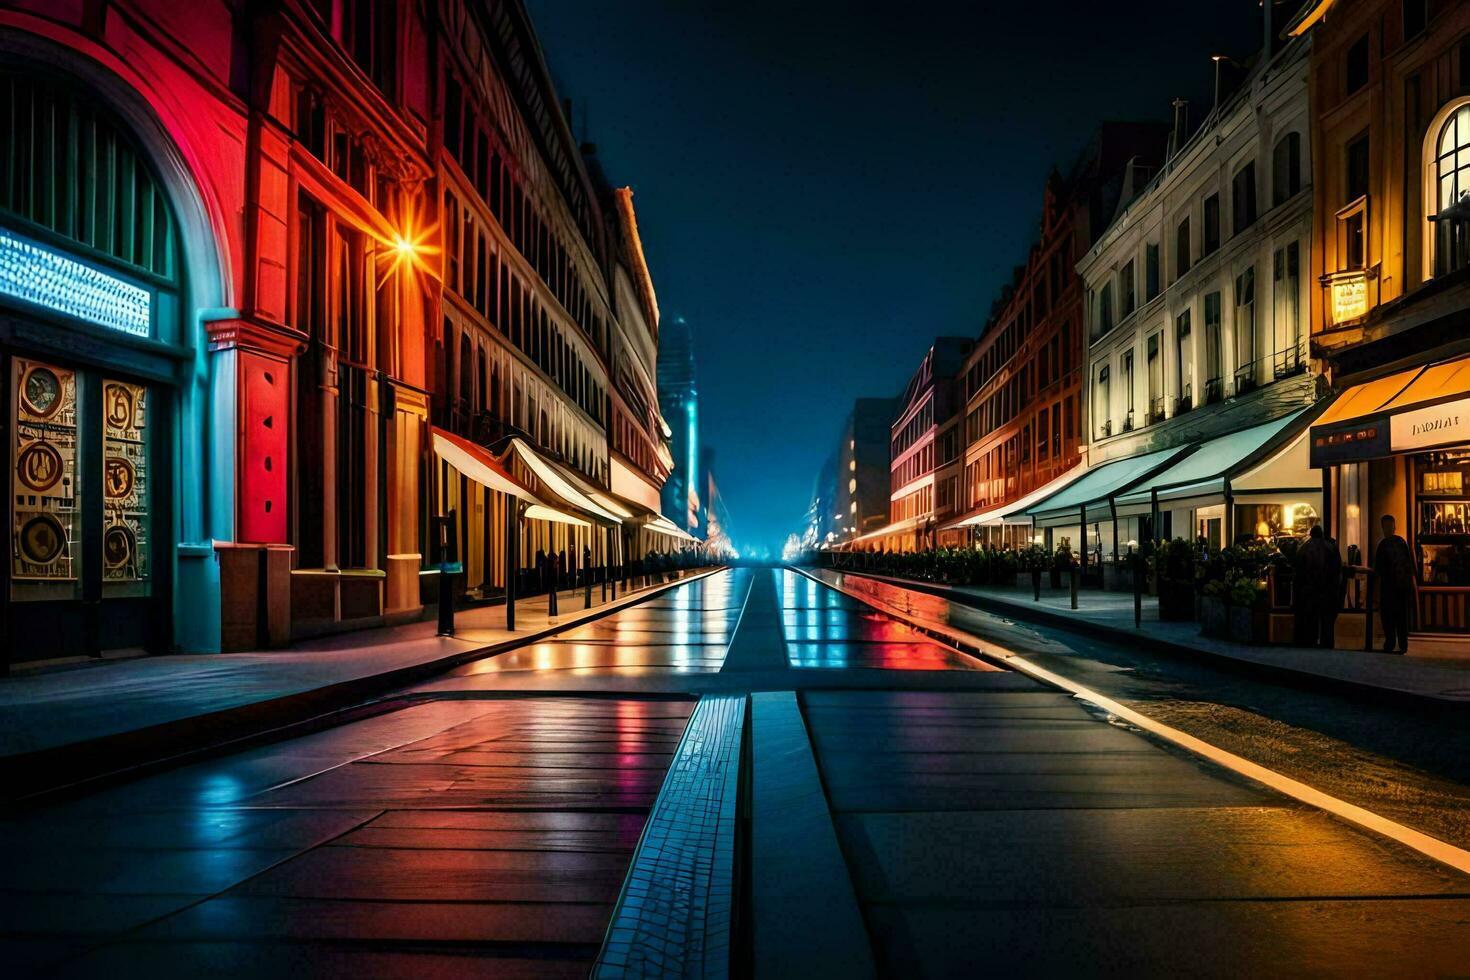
679,398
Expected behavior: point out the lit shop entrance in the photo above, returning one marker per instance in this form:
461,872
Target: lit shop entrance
91,357
83,573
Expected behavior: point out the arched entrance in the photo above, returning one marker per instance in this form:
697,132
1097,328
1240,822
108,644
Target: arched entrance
94,350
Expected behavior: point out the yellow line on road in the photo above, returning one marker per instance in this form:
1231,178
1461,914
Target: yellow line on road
1445,853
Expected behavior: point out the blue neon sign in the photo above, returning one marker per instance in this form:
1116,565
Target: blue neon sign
38,275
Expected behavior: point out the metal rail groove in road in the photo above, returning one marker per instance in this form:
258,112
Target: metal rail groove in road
674,915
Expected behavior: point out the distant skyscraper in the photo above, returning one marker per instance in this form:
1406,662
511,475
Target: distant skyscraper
679,401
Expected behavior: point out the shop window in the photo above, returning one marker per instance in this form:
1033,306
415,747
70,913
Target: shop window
47,502
311,319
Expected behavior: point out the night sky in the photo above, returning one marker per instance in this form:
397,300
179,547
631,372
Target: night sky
823,186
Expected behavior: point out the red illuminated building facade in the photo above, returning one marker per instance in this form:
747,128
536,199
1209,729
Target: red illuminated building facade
248,258
1023,383
927,407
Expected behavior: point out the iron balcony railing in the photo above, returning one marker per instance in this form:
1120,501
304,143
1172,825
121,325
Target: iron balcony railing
1214,390
1245,379
1155,411
1185,401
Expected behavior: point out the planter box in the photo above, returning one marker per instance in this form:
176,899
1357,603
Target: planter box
1176,601
1248,625
1212,617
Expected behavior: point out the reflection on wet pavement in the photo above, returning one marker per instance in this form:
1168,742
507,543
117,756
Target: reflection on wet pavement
823,628
684,631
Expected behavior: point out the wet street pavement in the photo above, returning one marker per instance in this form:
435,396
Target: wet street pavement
749,773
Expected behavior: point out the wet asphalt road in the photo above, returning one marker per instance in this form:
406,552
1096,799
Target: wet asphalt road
1409,762
482,824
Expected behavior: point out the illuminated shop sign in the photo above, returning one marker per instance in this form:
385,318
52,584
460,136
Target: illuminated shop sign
46,278
1361,439
1349,298
1436,425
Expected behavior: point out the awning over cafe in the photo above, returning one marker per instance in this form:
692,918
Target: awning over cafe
1099,486
1201,477
557,485
1015,511
1416,409
662,525
480,465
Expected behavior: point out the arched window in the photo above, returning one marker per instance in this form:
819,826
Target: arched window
1447,190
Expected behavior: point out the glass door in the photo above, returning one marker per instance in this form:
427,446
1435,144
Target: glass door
81,568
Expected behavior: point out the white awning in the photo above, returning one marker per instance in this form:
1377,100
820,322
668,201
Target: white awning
1099,485
560,486
662,525
1204,473
479,464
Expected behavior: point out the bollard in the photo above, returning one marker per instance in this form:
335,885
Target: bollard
1137,593
1036,584
446,581
551,612
587,584
1074,588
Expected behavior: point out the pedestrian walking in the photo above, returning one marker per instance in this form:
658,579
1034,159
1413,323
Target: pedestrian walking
1393,567
541,568
1320,572
554,567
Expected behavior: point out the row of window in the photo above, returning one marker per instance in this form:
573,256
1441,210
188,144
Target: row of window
1002,343
916,504
1114,305
631,440
492,171
915,427
490,387
1041,449
476,271
1251,361
911,469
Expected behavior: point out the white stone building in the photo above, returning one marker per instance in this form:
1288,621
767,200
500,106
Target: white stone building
1197,318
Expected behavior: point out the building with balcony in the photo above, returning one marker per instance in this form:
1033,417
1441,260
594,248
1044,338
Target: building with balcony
1390,304
1196,301
1023,382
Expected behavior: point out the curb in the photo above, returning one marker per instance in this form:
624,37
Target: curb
33,777
1142,639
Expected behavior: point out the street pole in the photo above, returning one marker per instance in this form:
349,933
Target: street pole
1137,590
446,590
512,559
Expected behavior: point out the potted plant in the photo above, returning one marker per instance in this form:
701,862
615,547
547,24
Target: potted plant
1062,561
1247,604
1174,570
1213,620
